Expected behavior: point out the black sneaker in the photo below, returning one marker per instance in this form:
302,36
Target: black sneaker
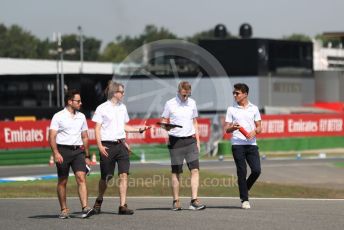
124,210
97,206
87,212
176,206
196,205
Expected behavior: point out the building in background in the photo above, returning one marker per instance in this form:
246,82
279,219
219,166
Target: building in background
329,71
284,77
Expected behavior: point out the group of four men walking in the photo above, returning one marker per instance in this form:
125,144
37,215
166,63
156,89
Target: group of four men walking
69,142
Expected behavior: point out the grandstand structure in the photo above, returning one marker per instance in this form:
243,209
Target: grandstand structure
33,87
329,56
329,71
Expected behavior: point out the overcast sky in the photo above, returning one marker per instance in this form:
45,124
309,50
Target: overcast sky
106,19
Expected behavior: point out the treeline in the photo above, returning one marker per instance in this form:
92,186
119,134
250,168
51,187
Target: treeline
15,42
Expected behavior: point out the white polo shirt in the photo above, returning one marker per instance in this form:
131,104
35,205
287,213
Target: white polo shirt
112,119
181,113
68,127
245,117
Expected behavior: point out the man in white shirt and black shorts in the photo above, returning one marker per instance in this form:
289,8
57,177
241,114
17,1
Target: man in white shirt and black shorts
111,119
68,139
244,121
183,142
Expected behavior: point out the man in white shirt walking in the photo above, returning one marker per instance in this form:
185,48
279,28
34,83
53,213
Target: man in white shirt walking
68,139
111,119
184,142
244,121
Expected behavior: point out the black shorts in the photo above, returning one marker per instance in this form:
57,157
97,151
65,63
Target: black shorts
118,153
72,157
181,148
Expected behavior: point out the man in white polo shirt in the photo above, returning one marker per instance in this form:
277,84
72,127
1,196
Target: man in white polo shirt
183,142
244,121
69,142
111,119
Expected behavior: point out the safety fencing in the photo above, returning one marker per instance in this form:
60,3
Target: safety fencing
34,134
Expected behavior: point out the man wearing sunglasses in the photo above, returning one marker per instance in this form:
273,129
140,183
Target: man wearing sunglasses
68,139
183,142
244,122
111,119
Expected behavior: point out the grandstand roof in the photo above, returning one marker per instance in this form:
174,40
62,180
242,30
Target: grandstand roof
334,35
14,66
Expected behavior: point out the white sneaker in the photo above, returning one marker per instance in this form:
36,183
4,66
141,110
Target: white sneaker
245,205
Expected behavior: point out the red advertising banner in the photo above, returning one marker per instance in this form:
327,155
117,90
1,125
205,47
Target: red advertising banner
301,125
34,134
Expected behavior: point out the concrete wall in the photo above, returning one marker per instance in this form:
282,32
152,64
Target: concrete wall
291,91
329,86
146,96
279,90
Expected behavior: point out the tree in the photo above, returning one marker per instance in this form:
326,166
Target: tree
119,49
91,48
71,45
329,41
152,33
113,52
206,34
17,43
298,37
3,40
43,49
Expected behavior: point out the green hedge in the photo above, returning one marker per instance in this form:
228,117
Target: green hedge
31,156
42,156
289,144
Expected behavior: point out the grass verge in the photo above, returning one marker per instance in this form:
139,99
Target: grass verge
339,164
158,183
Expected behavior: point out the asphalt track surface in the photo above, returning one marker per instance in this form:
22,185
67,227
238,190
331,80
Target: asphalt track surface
155,213
222,213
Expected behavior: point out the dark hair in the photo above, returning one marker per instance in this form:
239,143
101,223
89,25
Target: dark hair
70,95
242,87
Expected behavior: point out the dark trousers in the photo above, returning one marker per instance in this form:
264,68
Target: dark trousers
241,155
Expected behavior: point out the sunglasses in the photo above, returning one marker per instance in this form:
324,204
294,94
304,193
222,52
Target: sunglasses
236,93
77,101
